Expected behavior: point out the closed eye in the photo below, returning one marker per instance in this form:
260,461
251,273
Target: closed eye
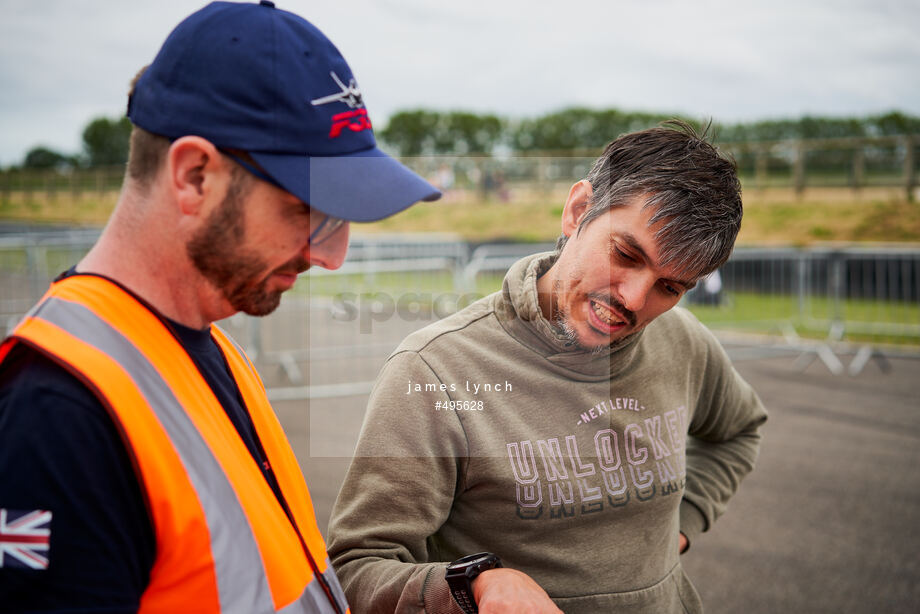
671,288
624,256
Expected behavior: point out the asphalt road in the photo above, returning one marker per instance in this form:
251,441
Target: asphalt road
828,520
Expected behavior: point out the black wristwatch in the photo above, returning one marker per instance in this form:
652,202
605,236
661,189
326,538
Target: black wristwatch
462,572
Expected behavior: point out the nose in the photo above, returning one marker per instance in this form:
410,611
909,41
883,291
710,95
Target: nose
634,290
330,254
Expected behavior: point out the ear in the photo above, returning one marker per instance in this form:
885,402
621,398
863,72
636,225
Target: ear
195,170
576,205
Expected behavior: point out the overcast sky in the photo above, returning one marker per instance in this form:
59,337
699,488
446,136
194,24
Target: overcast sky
64,62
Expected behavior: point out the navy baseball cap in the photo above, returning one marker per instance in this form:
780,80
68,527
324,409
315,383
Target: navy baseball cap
256,78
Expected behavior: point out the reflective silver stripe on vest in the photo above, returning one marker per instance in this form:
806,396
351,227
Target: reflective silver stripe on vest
235,345
333,582
314,597
241,581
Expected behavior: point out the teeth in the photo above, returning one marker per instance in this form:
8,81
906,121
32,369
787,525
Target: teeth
605,314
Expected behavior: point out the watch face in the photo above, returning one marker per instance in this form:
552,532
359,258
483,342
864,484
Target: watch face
474,559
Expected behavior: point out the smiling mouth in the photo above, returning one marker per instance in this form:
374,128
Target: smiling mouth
606,315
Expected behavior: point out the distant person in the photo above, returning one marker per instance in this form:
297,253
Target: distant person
708,291
493,182
557,445
487,185
501,187
142,466
444,178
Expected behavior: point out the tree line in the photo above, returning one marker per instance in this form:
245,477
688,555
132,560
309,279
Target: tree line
419,132
105,143
423,132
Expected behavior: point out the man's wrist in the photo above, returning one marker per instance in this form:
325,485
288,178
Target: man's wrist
692,520
461,574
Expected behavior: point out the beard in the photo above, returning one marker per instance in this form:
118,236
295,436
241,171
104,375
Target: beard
563,326
564,321
238,273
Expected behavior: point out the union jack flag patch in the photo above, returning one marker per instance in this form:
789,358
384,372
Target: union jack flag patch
25,538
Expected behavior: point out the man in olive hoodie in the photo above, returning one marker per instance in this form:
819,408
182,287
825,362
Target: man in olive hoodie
575,429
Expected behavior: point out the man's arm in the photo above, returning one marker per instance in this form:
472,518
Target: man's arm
398,491
60,452
724,442
400,488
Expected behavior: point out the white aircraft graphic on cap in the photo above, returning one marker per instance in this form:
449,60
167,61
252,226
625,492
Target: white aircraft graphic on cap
350,94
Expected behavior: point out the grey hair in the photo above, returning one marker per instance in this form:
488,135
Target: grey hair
692,187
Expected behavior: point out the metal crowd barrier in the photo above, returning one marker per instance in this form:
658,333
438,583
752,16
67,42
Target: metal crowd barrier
816,303
30,260
822,300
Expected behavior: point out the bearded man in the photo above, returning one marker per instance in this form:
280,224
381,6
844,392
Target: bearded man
143,467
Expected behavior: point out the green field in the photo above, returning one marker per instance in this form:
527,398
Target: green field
863,320
895,322
772,217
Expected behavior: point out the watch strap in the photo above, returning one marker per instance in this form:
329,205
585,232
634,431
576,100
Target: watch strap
461,573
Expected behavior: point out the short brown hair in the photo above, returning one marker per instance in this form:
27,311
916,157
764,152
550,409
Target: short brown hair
147,150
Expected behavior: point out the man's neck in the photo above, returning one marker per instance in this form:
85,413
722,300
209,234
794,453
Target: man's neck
545,293
149,258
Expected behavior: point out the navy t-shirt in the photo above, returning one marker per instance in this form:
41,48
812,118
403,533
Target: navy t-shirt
60,451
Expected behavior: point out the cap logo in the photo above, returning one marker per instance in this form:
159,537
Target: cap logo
356,120
350,94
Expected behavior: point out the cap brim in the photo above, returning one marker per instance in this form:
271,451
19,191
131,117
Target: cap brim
364,186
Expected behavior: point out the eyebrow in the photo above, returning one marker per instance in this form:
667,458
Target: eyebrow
633,243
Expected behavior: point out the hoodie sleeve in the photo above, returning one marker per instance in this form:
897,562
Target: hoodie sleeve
724,440
398,490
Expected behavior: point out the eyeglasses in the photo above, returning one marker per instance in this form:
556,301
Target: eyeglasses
327,227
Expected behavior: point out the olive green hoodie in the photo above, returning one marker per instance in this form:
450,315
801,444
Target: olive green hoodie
489,431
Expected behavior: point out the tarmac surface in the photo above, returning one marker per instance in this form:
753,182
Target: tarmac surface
827,522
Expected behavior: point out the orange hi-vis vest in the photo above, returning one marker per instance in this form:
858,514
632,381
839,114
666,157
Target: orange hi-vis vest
224,541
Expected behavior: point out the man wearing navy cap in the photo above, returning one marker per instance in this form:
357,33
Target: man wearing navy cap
143,468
